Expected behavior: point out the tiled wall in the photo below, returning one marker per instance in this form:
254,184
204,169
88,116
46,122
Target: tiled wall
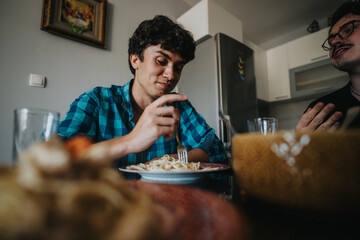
287,112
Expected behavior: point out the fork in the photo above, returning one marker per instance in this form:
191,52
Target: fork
181,150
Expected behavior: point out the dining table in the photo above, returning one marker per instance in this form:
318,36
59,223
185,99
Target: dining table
219,204
262,219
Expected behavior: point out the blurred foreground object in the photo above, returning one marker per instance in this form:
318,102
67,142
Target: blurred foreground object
69,191
313,171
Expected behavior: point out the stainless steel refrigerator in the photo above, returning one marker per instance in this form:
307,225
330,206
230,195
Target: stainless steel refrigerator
222,78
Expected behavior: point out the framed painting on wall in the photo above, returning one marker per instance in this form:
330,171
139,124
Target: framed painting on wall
80,20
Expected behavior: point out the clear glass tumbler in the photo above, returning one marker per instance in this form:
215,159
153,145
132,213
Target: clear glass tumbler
32,126
264,125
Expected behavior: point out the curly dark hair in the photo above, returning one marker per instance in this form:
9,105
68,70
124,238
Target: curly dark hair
162,30
350,7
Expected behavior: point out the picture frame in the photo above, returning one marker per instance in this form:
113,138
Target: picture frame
84,21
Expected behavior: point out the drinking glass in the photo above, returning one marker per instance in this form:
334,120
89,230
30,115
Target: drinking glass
264,125
32,126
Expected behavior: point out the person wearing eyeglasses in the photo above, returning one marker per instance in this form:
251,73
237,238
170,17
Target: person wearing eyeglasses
343,45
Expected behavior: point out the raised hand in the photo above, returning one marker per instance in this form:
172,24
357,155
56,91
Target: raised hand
157,120
314,117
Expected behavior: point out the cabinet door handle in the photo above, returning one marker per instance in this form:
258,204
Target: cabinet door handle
281,97
322,89
318,58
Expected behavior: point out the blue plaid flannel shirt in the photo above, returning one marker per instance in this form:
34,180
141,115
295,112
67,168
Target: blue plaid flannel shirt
106,113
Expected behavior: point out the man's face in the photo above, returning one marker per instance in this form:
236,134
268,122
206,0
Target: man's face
158,73
345,54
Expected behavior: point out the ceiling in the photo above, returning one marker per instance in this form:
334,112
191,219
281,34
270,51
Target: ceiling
266,20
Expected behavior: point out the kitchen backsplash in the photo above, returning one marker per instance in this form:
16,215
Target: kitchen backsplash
287,112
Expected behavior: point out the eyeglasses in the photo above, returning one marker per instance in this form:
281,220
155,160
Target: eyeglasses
345,31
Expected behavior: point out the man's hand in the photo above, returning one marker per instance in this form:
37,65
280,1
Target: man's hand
314,117
155,121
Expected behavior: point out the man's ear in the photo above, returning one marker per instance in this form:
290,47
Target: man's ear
135,61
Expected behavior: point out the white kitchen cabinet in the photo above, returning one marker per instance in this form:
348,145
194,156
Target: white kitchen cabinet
278,73
206,19
307,49
262,90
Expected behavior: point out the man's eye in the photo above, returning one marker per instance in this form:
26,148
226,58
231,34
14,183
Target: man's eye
162,63
346,30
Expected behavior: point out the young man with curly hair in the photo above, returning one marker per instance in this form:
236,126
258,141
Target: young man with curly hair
139,119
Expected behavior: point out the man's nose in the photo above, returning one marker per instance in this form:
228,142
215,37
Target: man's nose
169,73
337,38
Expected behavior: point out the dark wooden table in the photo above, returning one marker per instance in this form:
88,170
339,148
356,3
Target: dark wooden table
272,221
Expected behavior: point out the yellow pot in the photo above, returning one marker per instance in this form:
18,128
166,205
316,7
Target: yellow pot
316,171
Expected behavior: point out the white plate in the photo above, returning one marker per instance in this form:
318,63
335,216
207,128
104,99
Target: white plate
178,177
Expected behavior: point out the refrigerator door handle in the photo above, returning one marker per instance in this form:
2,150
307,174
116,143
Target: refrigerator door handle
227,134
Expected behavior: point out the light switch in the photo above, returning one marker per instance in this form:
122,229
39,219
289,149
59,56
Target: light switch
36,80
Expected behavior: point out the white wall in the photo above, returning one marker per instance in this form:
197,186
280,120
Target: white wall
71,67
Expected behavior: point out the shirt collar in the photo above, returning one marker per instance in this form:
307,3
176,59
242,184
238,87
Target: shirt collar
126,100
125,94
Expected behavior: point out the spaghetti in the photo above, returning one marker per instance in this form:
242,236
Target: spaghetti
168,163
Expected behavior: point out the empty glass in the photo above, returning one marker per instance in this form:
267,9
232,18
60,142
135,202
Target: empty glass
31,126
264,125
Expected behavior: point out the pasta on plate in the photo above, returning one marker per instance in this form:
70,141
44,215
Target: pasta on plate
168,163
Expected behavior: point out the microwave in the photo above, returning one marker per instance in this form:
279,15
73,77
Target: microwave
315,79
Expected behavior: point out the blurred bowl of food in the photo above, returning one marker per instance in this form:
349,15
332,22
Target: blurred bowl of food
69,190
313,171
